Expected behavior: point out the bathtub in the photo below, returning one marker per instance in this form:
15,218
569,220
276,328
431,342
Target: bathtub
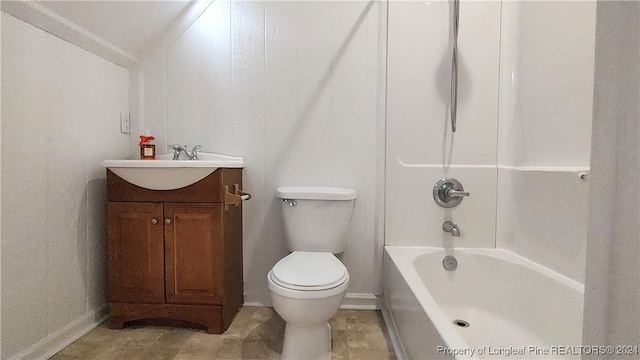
515,308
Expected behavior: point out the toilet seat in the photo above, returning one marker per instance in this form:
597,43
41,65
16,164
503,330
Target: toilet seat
302,270
306,275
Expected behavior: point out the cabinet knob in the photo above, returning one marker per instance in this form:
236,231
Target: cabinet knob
167,221
154,221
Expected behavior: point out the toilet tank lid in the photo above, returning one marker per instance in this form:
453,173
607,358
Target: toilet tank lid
315,193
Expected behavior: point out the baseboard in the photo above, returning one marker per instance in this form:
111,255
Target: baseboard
64,336
393,335
356,301
359,301
257,301
255,304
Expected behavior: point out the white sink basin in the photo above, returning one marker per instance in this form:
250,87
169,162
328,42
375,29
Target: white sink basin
166,174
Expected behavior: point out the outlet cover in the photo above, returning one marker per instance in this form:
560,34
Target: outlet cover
124,123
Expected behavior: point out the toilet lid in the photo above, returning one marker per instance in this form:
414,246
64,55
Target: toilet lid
312,270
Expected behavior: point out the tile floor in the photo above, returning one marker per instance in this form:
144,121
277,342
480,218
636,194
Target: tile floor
256,333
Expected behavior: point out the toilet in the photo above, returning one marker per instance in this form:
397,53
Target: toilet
308,285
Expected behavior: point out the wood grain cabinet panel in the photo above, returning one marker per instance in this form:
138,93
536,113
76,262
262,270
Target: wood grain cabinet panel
172,257
136,253
194,258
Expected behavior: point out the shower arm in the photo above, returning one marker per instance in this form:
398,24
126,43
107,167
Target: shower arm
454,67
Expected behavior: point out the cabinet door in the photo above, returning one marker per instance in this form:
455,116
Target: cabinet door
135,252
194,258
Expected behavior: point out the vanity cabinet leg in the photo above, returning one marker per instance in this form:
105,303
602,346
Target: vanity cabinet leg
116,323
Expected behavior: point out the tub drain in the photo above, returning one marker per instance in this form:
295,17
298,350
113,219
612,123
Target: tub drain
461,323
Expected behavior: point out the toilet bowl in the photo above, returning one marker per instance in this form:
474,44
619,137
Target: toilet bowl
308,285
307,289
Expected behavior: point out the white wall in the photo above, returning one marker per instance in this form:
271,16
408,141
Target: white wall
542,215
612,287
544,133
546,83
420,146
60,119
292,87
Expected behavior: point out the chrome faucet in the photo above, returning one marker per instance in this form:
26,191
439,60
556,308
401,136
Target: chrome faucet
450,227
177,149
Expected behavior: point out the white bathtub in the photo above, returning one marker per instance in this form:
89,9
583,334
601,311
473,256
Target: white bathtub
515,308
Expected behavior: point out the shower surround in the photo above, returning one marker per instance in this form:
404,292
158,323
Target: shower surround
521,148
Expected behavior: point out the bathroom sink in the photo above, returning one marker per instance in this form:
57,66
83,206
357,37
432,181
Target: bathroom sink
167,174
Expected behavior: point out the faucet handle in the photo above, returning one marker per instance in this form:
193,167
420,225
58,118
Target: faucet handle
194,152
456,193
448,192
176,150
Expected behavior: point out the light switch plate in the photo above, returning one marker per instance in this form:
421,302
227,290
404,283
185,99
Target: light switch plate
124,123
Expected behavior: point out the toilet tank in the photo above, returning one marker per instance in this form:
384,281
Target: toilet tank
316,218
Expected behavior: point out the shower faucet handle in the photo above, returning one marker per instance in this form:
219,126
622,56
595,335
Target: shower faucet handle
449,192
456,193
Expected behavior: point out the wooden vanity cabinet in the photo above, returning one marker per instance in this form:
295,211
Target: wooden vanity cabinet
175,254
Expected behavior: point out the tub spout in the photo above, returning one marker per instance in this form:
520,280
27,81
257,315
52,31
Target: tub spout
450,227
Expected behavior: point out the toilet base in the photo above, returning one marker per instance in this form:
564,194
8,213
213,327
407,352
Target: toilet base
311,343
